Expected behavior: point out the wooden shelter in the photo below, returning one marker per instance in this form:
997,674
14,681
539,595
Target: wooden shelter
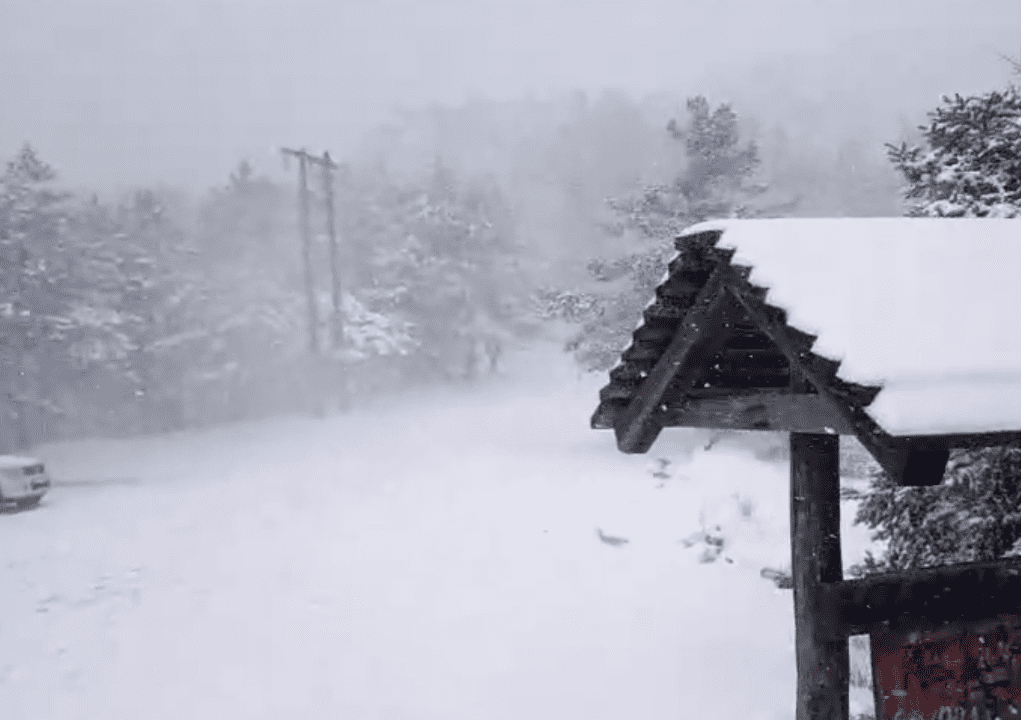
901,332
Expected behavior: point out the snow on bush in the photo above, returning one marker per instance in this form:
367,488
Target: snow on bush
367,333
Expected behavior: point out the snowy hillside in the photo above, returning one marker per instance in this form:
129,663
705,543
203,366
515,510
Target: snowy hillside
430,558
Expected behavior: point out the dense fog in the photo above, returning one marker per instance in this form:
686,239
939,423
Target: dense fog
117,93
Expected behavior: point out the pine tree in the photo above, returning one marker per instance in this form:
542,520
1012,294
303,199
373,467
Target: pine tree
30,237
716,182
974,515
972,166
67,329
441,260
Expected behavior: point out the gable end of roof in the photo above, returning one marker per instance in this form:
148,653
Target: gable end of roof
698,257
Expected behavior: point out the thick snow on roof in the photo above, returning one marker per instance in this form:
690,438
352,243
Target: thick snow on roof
928,309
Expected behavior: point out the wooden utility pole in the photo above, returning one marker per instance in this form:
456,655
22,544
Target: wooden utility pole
337,324
306,245
328,166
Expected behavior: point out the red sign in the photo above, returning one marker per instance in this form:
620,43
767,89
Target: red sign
968,672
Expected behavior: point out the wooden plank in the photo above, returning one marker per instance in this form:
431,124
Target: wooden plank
749,340
641,351
753,358
924,599
760,411
653,335
861,395
698,336
822,662
981,440
721,393
745,378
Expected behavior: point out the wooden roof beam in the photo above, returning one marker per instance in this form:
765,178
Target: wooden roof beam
928,596
699,336
786,411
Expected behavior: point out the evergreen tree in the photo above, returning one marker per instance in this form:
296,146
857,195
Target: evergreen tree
56,315
972,165
441,260
31,238
78,289
715,182
974,515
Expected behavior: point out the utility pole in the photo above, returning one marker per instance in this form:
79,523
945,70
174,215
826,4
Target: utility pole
328,166
306,245
337,324
336,321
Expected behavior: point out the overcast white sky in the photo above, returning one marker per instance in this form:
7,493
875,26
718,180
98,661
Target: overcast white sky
121,91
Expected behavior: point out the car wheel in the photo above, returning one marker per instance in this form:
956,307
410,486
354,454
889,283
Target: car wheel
27,503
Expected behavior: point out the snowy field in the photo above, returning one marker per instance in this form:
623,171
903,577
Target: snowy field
429,558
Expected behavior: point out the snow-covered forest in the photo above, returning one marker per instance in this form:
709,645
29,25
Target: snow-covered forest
164,308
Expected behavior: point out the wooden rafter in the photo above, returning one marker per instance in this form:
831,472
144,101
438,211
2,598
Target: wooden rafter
700,334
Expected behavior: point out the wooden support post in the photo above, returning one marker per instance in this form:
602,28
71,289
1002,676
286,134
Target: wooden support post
823,665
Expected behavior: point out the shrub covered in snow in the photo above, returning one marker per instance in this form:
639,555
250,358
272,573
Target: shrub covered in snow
367,334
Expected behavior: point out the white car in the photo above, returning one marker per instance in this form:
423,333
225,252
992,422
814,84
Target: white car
23,481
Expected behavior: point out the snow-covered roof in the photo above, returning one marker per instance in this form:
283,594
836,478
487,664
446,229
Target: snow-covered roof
927,309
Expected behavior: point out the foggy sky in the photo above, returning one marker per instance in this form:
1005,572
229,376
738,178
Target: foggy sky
117,92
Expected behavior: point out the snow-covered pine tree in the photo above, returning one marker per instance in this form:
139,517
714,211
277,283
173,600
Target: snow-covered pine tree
31,225
439,258
972,165
974,515
716,182
163,299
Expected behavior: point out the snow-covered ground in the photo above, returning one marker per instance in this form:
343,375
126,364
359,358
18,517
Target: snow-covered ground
430,557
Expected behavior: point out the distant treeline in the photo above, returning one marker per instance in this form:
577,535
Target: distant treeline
167,309
164,311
